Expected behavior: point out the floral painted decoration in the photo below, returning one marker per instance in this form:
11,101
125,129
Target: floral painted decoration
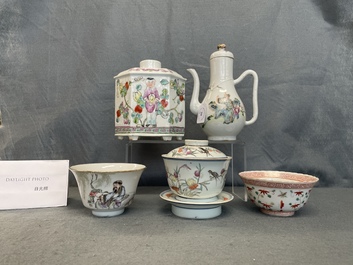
150,102
276,199
194,179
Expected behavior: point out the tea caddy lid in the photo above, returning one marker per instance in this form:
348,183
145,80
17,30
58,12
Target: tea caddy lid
150,67
196,149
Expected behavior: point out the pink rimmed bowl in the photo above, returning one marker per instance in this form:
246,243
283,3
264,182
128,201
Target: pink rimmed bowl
278,193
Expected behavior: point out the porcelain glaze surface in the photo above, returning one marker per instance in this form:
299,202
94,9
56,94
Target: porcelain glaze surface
223,197
222,113
278,193
107,188
149,101
196,149
196,209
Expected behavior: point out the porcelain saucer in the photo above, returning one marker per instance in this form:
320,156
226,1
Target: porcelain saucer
196,209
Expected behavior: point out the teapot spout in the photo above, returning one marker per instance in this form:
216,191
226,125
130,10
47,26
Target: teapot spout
194,103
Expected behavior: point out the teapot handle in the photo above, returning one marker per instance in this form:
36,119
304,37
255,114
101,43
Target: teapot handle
254,95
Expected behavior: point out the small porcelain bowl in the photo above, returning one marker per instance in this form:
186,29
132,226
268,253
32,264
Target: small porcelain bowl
278,193
107,188
196,171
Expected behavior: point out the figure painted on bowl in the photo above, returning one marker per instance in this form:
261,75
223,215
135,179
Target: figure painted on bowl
111,199
117,195
151,97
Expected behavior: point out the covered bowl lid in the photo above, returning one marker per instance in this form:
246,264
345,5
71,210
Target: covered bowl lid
196,149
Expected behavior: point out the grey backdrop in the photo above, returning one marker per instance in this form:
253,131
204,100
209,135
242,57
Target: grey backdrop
58,59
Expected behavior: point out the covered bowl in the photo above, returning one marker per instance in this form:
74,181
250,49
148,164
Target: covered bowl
196,170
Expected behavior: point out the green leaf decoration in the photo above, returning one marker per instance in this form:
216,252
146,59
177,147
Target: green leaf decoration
123,92
164,82
141,102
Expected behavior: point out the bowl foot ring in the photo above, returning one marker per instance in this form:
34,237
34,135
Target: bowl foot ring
108,213
277,213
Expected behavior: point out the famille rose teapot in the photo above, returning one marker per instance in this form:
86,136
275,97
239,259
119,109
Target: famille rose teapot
222,113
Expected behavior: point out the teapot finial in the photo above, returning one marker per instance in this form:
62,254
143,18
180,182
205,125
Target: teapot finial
221,46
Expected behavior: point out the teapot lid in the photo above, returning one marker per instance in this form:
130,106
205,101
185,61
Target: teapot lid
196,149
221,52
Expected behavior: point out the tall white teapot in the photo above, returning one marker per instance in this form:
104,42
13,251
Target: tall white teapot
222,113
